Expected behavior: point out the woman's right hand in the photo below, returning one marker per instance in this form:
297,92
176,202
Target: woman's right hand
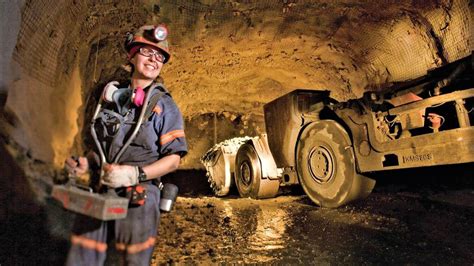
76,167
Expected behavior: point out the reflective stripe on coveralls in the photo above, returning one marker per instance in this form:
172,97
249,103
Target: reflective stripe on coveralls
135,248
88,243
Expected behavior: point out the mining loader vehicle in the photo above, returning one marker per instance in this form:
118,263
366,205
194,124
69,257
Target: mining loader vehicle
328,147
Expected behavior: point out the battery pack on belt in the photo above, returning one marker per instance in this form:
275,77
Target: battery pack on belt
137,195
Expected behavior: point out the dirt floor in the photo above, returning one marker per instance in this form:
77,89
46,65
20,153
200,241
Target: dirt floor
394,228
412,217
400,223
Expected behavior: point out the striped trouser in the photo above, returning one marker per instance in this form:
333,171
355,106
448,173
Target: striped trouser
135,235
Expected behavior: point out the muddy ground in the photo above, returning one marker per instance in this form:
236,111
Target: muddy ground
417,217
405,221
395,228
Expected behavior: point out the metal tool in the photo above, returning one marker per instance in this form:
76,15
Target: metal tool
102,206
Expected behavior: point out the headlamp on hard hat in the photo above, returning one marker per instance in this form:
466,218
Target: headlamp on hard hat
160,33
152,35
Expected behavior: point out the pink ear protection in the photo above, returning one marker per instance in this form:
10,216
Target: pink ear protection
138,96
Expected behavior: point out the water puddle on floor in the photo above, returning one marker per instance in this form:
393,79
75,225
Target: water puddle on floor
291,230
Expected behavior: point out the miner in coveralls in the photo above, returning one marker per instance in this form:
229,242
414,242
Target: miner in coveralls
155,151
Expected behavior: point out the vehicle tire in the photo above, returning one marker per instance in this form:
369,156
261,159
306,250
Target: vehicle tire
248,175
219,162
326,166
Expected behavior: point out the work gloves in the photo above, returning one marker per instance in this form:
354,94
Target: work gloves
116,175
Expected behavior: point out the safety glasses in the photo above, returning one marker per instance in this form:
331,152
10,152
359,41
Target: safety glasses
148,52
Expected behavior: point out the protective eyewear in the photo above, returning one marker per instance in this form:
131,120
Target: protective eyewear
151,52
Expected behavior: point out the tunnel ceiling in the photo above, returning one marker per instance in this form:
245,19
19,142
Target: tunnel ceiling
228,59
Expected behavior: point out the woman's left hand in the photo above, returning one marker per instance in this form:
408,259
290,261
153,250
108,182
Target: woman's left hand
116,175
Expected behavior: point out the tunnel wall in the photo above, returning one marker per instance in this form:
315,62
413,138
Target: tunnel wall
10,18
56,63
228,59
42,100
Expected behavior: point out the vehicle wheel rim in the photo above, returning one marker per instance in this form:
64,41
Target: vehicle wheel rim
246,173
321,164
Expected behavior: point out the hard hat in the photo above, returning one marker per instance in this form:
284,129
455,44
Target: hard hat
151,35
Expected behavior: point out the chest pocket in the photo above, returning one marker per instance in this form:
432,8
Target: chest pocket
146,136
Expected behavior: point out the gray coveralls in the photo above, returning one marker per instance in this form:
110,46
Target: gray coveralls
135,236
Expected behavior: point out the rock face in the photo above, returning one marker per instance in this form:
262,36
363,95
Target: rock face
228,59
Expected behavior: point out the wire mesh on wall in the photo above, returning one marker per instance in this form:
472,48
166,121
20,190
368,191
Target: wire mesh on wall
44,41
42,36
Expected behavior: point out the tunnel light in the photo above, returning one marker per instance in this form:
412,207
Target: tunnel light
160,33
